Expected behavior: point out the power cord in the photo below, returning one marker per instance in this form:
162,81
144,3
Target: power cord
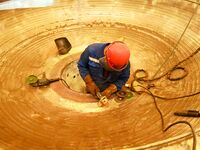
175,123
168,73
144,79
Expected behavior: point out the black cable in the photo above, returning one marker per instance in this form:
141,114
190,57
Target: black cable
65,83
168,73
169,77
177,43
162,120
179,97
192,2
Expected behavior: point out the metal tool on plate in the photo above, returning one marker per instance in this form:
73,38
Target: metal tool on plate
188,113
103,101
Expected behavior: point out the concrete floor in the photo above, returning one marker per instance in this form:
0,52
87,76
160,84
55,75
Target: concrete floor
58,118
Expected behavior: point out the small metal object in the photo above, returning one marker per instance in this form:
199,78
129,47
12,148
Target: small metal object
63,45
101,97
103,101
188,113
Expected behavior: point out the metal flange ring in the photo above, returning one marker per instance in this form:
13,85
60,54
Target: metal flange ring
121,94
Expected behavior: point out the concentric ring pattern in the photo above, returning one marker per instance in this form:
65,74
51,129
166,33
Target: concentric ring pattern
43,119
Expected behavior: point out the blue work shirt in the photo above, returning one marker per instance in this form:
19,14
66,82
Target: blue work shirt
88,64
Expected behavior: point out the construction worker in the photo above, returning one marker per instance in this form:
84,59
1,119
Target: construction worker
105,67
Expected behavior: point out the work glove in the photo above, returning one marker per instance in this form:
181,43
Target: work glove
90,85
109,90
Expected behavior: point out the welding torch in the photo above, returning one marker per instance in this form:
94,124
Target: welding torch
188,113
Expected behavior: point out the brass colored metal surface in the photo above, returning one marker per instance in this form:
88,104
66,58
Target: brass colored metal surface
57,118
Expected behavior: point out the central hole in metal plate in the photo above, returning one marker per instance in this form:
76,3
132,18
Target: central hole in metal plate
72,77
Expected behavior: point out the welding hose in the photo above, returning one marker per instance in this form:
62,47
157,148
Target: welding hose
175,123
144,78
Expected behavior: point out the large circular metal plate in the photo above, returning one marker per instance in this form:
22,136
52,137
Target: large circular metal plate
44,119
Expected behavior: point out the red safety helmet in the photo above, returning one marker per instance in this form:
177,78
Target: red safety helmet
117,55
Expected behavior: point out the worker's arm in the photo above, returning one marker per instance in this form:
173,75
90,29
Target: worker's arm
83,63
117,85
84,72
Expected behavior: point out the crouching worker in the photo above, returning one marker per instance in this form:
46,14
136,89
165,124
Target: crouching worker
105,67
